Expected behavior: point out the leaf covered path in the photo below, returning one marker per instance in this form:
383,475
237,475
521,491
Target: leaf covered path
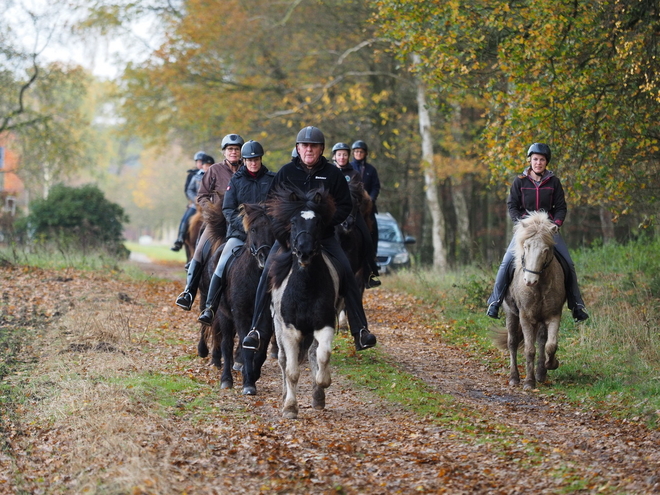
104,394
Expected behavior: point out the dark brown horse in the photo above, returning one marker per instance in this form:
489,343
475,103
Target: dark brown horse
534,301
192,234
236,305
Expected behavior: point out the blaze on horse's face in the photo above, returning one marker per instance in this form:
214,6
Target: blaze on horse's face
305,243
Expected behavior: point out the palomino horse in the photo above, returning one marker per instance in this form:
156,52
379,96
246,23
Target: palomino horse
534,301
305,287
236,305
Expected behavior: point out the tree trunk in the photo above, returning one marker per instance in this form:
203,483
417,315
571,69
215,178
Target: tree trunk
606,225
430,180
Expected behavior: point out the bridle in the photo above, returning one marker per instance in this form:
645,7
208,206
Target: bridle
545,265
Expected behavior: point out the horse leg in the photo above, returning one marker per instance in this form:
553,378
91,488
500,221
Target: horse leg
551,361
238,356
542,338
513,341
530,353
289,340
319,358
216,354
228,334
274,349
202,347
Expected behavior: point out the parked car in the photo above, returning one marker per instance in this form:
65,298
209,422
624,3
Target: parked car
392,253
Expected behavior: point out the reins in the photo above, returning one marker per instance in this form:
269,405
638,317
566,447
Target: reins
545,265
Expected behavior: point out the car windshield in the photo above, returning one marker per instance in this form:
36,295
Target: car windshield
389,232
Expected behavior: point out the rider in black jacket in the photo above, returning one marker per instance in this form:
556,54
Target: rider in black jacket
312,171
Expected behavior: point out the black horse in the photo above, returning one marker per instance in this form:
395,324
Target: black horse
236,305
305,287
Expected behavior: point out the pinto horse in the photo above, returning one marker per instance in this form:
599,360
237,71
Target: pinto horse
534,301
305,287
234,314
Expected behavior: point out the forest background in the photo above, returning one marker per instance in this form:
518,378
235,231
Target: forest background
447,94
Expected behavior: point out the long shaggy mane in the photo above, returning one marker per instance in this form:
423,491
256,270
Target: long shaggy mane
287,201
537,224
250,212
216,223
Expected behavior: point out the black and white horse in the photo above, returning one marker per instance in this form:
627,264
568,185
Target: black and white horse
305,287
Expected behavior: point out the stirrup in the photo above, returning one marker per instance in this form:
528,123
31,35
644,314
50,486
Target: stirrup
252,340
493,310
206,316
185,300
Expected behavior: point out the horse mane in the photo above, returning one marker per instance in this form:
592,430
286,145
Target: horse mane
538,223
216,223
288,200
250,212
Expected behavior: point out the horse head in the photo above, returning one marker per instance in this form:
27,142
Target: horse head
535,245
260,237
300,220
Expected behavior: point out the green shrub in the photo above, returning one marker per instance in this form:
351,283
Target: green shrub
78,218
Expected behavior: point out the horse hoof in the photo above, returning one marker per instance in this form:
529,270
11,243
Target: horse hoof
513,382
553,365
226,384
290,414
237,366
202,351
529,386
250,390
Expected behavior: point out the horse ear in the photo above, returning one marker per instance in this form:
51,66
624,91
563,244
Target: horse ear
241,209
318,197
554,229
293,196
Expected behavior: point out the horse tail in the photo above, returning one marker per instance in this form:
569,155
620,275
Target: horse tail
500,338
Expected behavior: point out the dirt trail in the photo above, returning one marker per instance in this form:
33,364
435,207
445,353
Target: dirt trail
89,426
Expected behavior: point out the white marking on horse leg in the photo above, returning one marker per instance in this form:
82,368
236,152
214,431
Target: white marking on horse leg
324,338
289,339
551,361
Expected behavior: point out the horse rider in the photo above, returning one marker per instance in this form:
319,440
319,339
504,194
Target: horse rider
249,185
311,170
193,180
214,184
537,188
340,155
370,179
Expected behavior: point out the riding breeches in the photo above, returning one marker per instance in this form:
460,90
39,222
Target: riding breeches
231,245
183,226
505,275
199,248
348,287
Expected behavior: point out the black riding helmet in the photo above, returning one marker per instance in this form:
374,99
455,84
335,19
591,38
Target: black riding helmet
340,146
232,139
208,159
540,149
252,149
310,134
361,145
199,155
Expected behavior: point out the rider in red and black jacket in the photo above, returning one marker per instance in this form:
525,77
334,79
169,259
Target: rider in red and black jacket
537,188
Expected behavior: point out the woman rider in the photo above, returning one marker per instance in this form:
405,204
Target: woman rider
213,184
248,186
340,154
537,188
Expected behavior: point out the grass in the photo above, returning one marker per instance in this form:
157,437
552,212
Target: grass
156,252
611,361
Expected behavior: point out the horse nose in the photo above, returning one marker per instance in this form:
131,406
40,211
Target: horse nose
531,281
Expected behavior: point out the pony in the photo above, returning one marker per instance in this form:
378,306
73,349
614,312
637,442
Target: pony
305,288
534,301
236,305
216,224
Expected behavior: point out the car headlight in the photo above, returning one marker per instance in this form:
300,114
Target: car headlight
401,258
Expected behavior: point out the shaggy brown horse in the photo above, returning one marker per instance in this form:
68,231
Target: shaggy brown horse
534,301
192,234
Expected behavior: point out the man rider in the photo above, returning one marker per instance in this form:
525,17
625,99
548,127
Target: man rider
310,170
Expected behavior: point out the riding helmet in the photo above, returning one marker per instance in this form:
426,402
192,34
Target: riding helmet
230,139
361,145
199,156
252,149
540,149
310,134
208,159
340,146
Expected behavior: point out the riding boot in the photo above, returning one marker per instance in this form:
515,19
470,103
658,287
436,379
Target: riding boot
502,281
178,244
364,339
212,300
573,297
187,297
